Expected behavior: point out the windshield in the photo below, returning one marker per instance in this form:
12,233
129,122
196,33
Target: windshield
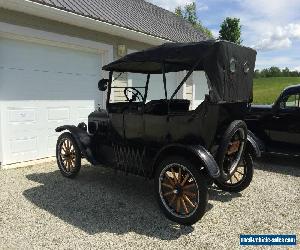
194,90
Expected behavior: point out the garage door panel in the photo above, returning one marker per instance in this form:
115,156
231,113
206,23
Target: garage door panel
42,88
21,115
23,145
51,144
47,86
33,56
33,128
58,114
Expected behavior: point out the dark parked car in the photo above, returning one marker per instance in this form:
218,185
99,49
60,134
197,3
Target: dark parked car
183,151
278,125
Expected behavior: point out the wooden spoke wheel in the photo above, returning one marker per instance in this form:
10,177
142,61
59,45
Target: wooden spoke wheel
231,149
68,155
182,190
234,152
241,177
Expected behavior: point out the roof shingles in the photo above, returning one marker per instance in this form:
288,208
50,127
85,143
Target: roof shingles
137,15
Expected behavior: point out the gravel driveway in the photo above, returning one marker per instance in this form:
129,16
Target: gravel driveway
40,209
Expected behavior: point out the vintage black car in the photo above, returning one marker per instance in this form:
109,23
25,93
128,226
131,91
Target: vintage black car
183,150
277,126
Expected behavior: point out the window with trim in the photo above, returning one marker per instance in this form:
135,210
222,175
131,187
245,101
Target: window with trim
290,102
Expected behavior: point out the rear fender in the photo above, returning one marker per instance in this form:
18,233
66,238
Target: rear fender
254,145
196,152
82,138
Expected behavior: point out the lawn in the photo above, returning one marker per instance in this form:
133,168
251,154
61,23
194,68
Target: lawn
266,90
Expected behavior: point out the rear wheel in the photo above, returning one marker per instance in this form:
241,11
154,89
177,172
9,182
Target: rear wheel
231,148
68,155
181,190
242,176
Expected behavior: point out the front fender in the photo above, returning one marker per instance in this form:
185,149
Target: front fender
254,145
83,140
197,152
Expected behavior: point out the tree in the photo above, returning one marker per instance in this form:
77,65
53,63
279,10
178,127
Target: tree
178,11
286,72
276,72
231,30
257,73
189,13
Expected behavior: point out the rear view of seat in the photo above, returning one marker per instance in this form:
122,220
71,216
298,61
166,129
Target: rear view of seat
160,107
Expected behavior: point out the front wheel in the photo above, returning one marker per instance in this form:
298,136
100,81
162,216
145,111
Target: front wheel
68,155
242,176
181,190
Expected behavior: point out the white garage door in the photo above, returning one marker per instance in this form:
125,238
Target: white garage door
42,87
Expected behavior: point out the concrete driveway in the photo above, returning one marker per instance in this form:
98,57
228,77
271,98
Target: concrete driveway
39,209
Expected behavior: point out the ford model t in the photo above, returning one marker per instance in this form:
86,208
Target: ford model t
183,150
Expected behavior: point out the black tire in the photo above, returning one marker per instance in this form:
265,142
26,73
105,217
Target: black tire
68,155
227,165
239,182
191,187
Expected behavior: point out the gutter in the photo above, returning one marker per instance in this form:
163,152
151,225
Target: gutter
48,12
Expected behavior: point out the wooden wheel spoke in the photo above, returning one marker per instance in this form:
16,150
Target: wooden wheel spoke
179,175
174,176
236,177
70,164
189,186
67,165
191,194
240,172
185,179
172,200
168,193
178,205
69,145
189,202
170,180
184,206
66,145
167,185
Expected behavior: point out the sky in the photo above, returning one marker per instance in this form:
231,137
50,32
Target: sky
272,27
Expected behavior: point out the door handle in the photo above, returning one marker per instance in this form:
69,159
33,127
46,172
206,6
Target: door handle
276,117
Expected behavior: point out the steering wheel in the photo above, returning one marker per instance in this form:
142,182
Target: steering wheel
136,94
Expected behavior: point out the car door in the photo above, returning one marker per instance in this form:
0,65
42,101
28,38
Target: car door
133,126
284,124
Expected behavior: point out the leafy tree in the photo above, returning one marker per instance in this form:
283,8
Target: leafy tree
178,11
276,72
257,73
231,30
189,13
286,72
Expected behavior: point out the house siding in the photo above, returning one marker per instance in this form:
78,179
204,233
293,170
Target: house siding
21,19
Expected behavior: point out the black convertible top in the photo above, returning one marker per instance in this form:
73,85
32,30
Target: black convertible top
213,57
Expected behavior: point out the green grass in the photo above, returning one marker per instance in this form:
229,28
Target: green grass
267,90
